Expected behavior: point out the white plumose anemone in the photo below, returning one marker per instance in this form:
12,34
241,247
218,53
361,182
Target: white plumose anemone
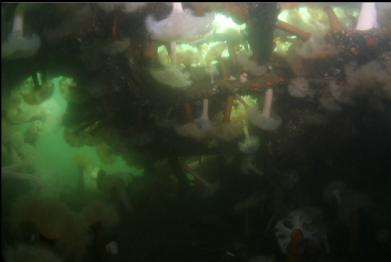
179,26
203,122
265,120
171,76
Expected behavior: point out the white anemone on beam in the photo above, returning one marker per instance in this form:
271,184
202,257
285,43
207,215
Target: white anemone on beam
180,25
368,17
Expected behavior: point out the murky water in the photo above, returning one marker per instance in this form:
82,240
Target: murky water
196,132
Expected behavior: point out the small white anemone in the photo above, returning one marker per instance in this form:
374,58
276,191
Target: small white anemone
203,122
250,144
299,87
250,67
265,120
266,123
200,128
316,46
190,130
17,45
305,220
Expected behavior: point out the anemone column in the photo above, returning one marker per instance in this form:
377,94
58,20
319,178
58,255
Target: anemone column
368,17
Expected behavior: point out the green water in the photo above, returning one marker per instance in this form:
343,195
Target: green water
55,157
